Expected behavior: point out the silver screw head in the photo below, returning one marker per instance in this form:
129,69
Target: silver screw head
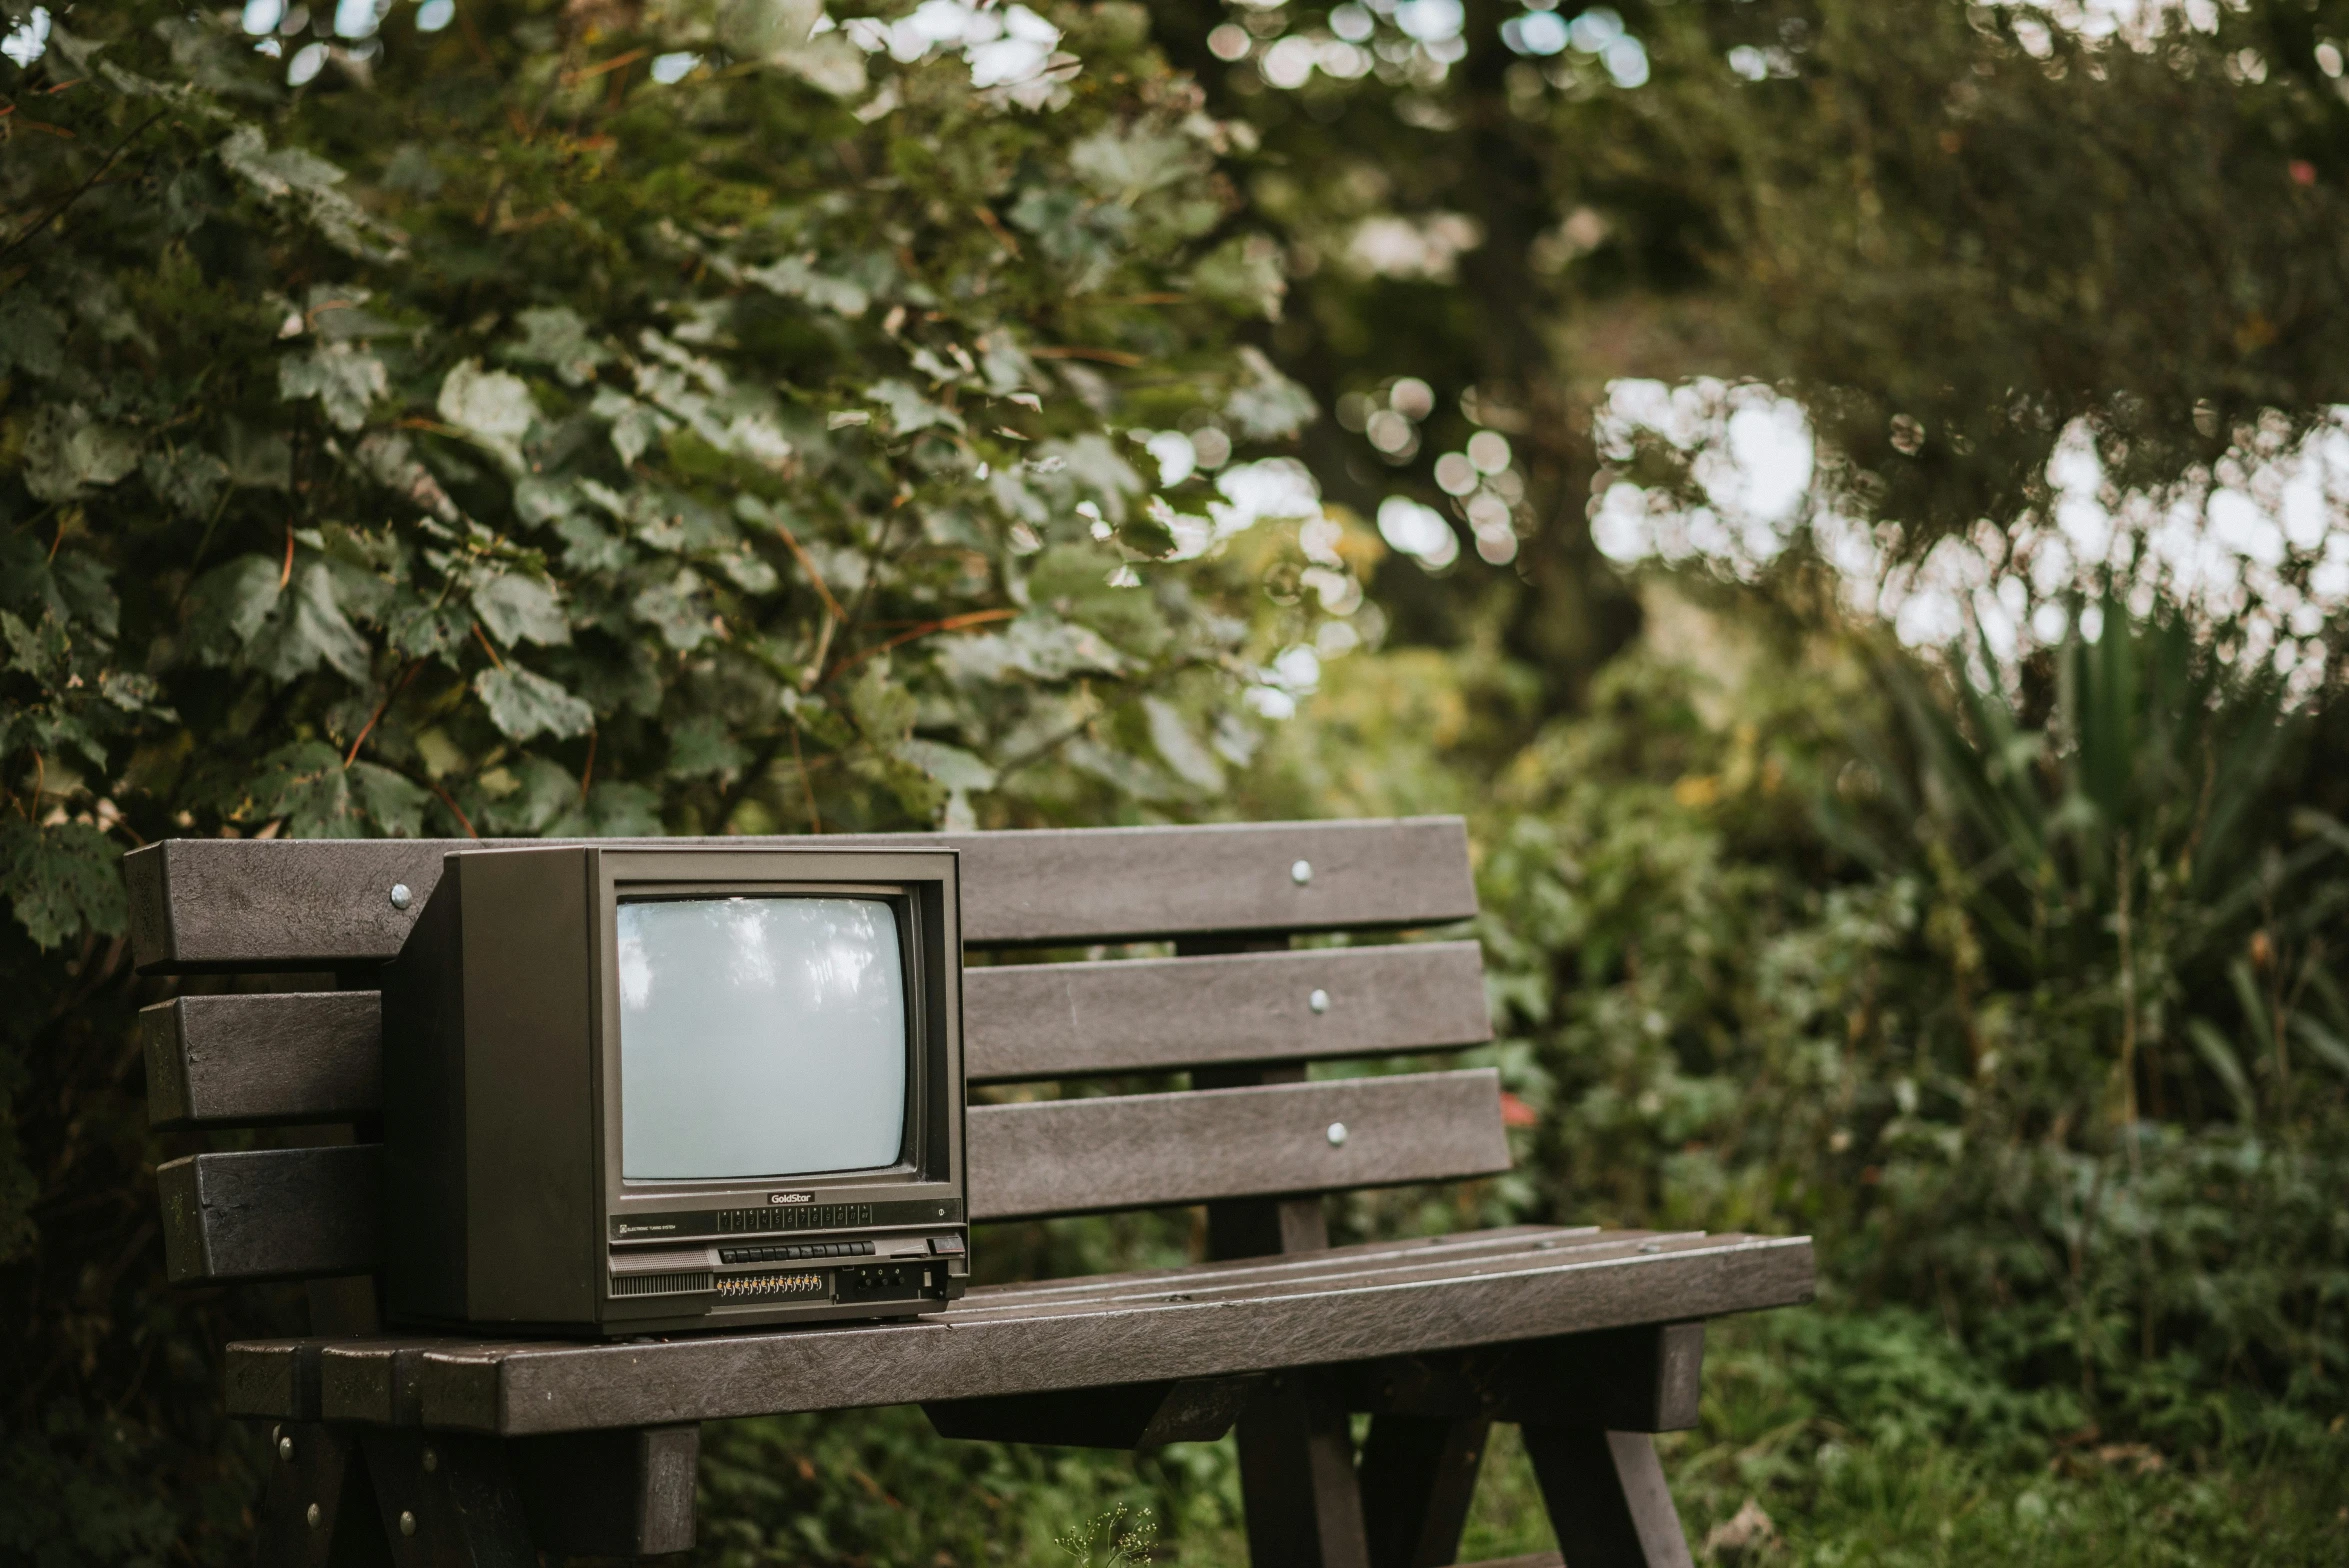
1337,1134
401,898
407,1522
314,1516
431,1460
1301,872
285,1448
1318,1001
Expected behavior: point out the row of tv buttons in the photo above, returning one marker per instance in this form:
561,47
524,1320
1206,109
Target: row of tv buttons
821,1249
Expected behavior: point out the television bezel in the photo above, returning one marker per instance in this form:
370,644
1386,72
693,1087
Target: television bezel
929,1167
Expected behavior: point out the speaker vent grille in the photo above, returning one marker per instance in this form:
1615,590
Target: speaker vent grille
660,1284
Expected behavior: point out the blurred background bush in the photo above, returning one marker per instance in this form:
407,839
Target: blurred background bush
1844,497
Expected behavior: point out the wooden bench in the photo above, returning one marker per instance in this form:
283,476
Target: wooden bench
464,1451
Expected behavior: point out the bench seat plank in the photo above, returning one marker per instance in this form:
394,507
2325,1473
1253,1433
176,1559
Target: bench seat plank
314,1056
239,904
292,1213
1345,1304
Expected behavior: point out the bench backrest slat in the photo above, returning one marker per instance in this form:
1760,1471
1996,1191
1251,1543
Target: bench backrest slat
314,1056
238,904
286,1213
273,908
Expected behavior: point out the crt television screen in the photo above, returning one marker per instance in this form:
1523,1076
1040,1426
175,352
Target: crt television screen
760,1037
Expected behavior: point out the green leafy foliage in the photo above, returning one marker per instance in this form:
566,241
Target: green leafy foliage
2018,998
478,432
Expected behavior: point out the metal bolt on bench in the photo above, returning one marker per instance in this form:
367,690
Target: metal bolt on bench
444,1449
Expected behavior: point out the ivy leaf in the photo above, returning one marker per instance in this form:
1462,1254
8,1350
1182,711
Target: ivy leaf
305,786
1128,166
305,182
228,606
700,746
258,459
555,336
61,881
1268,406
536,801
67,452
493,406
394,803
524,704
1244,275
677,610
958,771
307,628
617,810
794,278
1178,748
188,481
32,336
519,608
342,376
634,426
909,411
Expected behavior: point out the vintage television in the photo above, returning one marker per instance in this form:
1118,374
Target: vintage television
639,1090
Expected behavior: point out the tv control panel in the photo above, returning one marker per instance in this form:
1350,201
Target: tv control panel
737,1282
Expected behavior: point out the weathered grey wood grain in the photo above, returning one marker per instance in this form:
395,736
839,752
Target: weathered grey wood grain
1607,1497
1149,1015
378,1379
292,1213
272,1213
1418,1480
541,1388
623,1494
316,1505
245,904
295,1056
300,1056
1135,1416
1579,1278
1147,1150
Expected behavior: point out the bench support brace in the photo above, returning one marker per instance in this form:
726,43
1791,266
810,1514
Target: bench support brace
1418,1478
1297,1478
1606,1497
1138,1416
312,1466
448,1500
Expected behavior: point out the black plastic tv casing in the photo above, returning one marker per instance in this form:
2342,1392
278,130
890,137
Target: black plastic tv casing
504,1202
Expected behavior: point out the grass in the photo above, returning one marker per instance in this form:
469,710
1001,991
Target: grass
1945,1508
1863,1437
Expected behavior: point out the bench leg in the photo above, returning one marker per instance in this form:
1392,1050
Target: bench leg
318,1511
1418,1478
1606,1497
448,1500
1297,1480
